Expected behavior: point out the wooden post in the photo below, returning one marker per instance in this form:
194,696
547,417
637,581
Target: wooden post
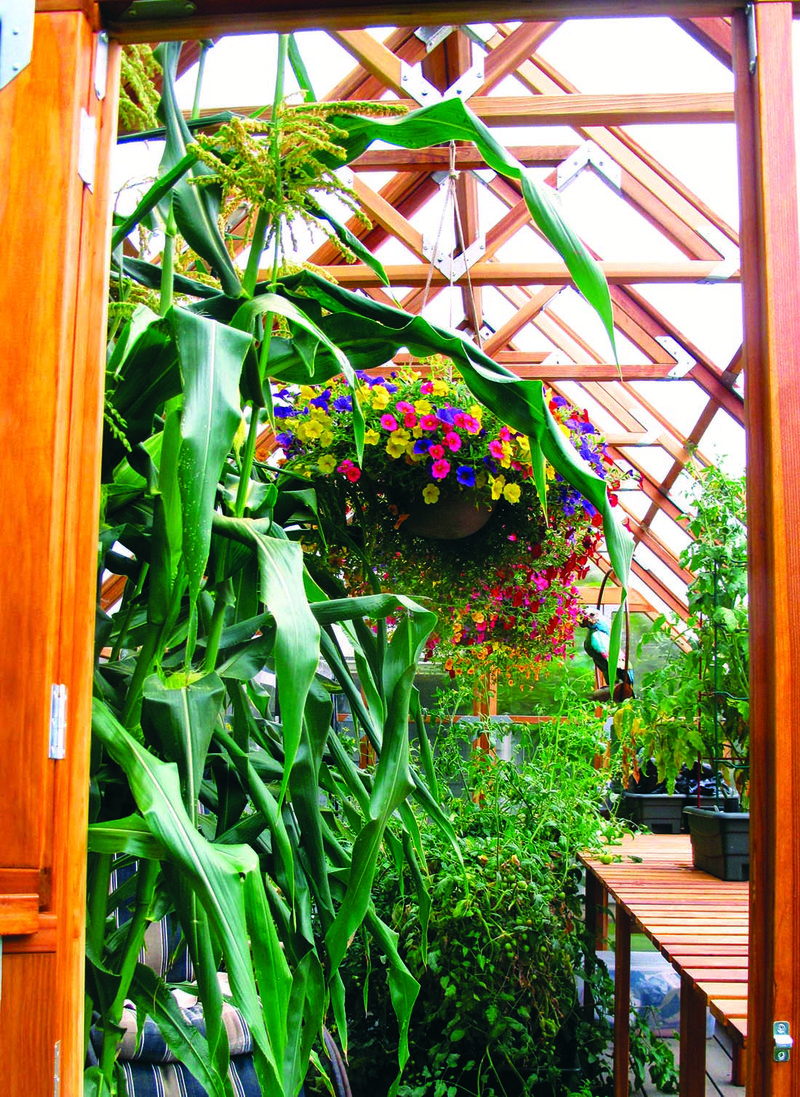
771,261
622,1000
52,321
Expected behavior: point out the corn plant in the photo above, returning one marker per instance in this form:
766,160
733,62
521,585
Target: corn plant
221,802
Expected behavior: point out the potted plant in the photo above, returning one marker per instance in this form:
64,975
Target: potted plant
221,802
443,504
692,715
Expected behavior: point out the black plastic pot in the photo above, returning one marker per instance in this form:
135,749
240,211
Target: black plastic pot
660,813
720,842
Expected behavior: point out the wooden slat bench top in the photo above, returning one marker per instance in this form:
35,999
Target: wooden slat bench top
700,924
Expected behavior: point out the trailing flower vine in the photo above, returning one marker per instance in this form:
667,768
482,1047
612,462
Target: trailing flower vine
505,594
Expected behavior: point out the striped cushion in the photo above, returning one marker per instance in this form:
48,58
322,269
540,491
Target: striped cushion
152,1047
174,1080
164,949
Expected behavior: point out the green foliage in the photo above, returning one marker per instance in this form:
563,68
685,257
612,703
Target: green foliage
498,1010
274,878
698,703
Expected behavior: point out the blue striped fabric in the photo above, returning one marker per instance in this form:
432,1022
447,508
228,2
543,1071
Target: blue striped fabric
174,1080
152,1047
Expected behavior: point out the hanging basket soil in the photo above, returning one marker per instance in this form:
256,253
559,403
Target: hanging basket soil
449,519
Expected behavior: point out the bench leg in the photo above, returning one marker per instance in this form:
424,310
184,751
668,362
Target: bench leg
739,1069
622,1002
596,909
693,1040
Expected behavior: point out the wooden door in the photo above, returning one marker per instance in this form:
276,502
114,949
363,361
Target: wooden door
52,315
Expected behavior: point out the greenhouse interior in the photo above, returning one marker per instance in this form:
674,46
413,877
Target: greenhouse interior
321,784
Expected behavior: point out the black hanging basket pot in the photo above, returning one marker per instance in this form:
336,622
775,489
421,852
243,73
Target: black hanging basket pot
720,842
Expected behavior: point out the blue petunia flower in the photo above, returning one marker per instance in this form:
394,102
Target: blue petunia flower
422,445
448,415
343,403
466,476
322,400
282,412
284,439
559,401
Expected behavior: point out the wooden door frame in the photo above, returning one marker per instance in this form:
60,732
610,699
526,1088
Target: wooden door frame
771,261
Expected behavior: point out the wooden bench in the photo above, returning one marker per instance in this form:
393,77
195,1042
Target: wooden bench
700,924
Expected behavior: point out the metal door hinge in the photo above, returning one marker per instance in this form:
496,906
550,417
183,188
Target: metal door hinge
101,65
752,38
16,37
57,1070
58,720
87,148
783,1041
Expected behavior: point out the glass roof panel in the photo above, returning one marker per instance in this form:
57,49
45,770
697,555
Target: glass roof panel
633,55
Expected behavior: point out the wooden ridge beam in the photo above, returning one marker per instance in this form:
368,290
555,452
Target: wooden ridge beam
467,158
529,274
217,17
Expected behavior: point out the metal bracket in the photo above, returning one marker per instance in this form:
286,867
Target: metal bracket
152,10
467,84
557,358
87,148
424,93
57,1070
684,361
433,36
730,262
58,721
585,155
783,1041
101,65
458,267
16,37
413,82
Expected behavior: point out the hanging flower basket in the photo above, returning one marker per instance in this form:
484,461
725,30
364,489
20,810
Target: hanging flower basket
443,507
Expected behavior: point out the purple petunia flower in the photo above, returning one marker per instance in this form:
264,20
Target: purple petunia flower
448,415
322,400
559,401
284,439
466,476
422,445
282,412
343,403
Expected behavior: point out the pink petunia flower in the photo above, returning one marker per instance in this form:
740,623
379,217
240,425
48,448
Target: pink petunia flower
388,422
470,425
452,441
429,422
404,406
410,418
436,452
426,388
496,449
440,469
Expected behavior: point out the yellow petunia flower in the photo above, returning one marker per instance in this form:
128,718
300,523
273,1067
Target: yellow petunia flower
371,437
511,492
423,407
440,388
395,449
380,398
476,411
326,464
431,493
498,483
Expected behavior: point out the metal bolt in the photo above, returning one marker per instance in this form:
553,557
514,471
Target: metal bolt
15,68
15,30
